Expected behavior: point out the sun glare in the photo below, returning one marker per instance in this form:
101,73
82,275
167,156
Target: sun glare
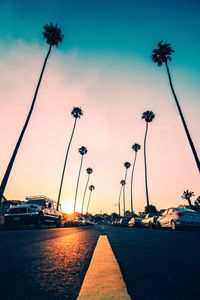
68,206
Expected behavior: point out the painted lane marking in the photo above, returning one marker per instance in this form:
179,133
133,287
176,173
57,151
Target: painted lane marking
103,279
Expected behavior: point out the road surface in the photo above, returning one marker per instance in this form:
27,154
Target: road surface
51,264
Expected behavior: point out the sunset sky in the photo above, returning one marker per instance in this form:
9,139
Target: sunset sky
103,65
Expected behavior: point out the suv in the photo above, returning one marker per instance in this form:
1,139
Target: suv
38,210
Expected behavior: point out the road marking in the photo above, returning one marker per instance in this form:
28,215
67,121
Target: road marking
103,279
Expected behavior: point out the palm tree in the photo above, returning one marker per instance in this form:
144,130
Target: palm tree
127,166
82,151
148,116
122,182
91,188
187,195
135,148
161,55
89,172
76,113
53,36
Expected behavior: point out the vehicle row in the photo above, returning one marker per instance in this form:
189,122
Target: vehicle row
173,218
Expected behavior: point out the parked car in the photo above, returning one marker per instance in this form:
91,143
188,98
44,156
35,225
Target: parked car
135,221
124,222
178,217
149,220
38,210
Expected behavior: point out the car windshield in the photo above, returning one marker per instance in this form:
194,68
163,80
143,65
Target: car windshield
185,210
36,202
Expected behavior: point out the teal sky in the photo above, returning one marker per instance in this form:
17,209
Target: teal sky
122,27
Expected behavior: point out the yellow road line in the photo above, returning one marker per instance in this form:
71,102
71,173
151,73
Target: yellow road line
103,280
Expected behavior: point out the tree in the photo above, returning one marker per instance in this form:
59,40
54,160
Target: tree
127,166
197,201
82,151
150,209
53,36
148,116
136,147
91,188
161,55
89,172
122,182
187,196
76,113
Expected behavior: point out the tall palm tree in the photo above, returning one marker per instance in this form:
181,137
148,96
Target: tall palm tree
148,116
127,166
187,196
91,188
136,147
53,36
82,151
161,55
122,182
89,172
76,113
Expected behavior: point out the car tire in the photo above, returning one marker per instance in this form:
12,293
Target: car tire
173,225
58,223
158,226
39,221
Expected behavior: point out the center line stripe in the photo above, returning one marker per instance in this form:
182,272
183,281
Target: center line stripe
103,279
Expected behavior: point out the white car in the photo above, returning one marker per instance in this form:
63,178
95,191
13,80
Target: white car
178,217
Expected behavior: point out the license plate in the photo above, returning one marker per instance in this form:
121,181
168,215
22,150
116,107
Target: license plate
16,218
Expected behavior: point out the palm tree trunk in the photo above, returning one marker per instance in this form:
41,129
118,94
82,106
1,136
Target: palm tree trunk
189,201
85,193
78,183
183,120
124,192
10,165
88,202
120,200
132,183
63,172
145,165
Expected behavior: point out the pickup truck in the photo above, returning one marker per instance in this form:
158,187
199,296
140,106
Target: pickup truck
38,210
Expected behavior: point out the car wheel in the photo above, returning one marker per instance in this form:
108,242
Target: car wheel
173,225
39,222
158,226
150,225
58,223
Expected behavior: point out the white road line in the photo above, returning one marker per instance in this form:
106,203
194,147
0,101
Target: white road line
103,280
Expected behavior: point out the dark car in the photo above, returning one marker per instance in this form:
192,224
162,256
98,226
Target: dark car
135,221
124,222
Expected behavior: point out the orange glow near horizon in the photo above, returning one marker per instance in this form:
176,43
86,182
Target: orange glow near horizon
68,207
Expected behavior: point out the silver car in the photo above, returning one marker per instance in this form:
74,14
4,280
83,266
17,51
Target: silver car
178,217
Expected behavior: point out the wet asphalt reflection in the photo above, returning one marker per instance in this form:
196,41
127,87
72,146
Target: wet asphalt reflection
46,264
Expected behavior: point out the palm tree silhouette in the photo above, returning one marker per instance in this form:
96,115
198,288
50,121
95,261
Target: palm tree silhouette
122,182
76,113
89,172
148,116
127,166
91,188
53,36
82,151
161,55
135,148
187,196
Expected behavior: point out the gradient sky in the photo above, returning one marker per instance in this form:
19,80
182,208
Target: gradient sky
104,66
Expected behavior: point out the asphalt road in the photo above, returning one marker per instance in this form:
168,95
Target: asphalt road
51,264
158,264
